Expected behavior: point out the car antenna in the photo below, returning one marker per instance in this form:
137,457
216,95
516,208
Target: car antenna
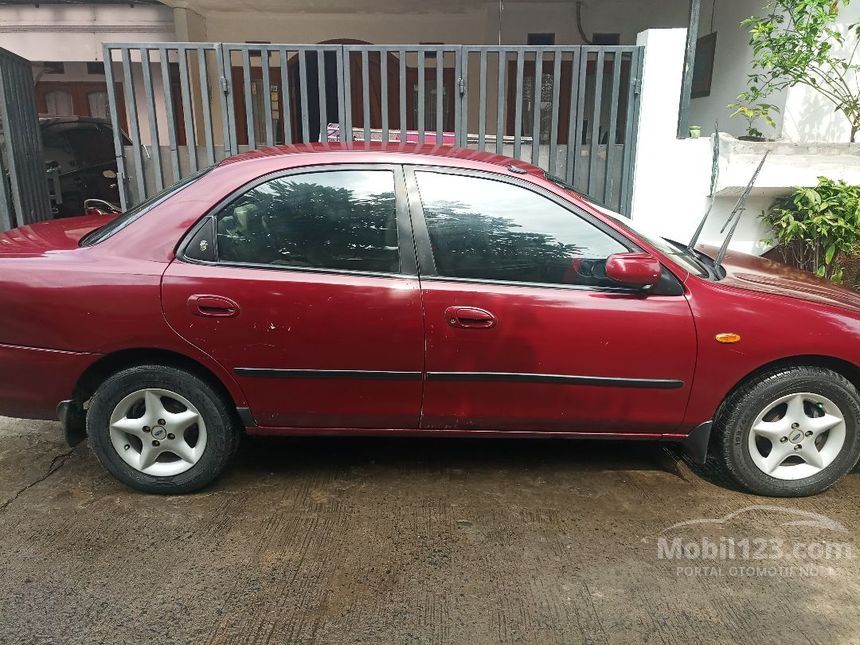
715,173
737,211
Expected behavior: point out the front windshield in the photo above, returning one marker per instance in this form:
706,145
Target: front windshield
677,252
104,232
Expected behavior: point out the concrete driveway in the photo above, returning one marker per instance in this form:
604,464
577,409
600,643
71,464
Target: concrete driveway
419,541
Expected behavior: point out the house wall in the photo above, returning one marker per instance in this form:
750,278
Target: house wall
673,176
75,32
803,114
451,21
809,116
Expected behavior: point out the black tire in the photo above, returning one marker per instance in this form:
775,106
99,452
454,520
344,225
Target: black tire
221,428
729,442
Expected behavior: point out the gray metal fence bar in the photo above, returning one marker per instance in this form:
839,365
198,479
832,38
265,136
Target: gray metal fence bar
303,90
173,143
267,97
461,84
440,91
346,132
500,102
187,109
383,75
613,125
286,110
342,96
402,79
152,118
323,108
208,135
537,96
631,128
188,117
518,105
365,94
595,121
482,100
556,95
420,96
133,125
114,117
249,105
577,120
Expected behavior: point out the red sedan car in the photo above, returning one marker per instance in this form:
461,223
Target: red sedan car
415,290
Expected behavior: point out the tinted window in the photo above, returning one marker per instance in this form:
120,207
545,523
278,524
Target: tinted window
129,216
486,229
333,220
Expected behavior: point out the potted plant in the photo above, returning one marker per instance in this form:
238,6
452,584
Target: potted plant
748,107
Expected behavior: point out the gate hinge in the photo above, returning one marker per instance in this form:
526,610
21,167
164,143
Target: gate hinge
225,87
461,86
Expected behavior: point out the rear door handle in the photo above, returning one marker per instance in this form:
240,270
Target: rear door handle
213,306
469,318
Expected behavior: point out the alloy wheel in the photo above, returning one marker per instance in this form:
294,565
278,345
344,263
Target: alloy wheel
797,436
158,432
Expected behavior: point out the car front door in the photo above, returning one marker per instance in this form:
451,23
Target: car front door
524,330
304,285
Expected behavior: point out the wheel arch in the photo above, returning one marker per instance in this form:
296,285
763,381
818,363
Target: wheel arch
845,368
114,362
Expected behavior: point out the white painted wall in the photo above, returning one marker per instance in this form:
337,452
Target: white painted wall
803,114
449,22
731,68
673,176
59,32
808,115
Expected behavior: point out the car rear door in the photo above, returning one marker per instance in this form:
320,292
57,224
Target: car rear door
304,285
524,331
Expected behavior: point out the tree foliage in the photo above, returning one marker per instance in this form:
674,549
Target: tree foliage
798,42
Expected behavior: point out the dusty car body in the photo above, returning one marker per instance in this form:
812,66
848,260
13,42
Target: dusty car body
610,335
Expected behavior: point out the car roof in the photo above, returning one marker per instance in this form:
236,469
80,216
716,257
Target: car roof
418,153
50,119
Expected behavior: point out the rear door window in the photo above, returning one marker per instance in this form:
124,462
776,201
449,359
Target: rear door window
340,219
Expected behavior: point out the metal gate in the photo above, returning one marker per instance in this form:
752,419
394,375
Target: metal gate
23,180
572,110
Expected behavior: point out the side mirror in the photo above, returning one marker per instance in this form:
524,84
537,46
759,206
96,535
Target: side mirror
633,269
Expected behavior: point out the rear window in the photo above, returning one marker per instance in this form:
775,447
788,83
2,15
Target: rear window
116,225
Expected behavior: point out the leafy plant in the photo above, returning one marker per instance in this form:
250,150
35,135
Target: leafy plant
799,43
747,108
818,228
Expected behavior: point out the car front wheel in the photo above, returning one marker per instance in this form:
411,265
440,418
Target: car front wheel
789,432
161,430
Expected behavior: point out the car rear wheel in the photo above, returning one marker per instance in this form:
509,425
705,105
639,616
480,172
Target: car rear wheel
789,432
161,430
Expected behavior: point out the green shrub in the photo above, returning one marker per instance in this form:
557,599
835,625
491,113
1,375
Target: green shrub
817,228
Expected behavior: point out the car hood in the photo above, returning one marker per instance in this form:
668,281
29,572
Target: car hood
53,235
760,274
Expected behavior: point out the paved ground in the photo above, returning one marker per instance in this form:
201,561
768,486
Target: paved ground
415,541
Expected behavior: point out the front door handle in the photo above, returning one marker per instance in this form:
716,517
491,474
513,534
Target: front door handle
213,306
470,318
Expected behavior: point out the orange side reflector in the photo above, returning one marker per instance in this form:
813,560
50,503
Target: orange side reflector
728,338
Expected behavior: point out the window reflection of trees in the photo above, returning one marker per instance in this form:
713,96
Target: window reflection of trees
299,223
470,244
